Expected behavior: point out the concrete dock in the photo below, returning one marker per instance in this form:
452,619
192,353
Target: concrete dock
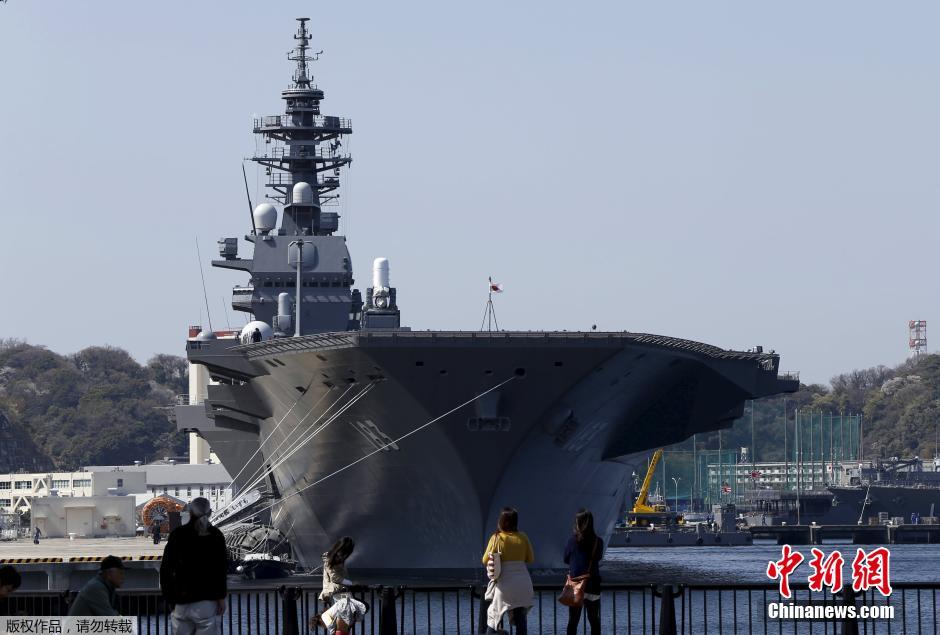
59,564
858,534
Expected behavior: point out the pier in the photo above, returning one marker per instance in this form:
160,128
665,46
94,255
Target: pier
859,534
59,564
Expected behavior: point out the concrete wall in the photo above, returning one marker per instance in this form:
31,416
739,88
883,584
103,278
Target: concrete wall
88,516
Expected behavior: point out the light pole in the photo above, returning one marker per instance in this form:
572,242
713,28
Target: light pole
676,482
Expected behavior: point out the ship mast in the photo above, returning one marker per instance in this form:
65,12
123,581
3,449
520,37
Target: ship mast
304,146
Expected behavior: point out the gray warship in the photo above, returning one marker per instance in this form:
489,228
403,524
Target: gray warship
341,421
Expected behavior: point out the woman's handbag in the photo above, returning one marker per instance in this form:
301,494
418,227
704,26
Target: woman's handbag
573,592
495,566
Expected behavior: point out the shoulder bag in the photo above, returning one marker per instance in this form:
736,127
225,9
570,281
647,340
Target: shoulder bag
573,592
495,565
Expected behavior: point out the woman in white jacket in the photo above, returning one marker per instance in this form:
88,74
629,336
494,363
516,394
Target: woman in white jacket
511,590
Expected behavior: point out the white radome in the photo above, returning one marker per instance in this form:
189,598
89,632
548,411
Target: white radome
265,217
380,273
265,328
303,194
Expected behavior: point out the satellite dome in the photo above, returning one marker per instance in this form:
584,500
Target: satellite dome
265,217
205,335
248,329
303,194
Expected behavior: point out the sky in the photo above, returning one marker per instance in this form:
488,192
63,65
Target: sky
736,173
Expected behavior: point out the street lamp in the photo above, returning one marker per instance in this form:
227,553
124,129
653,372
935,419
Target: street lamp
676,482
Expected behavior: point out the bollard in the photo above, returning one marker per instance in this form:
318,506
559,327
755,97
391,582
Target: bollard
289,610
667,610
388,618
849,626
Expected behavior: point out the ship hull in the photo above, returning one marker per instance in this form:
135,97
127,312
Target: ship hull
850,506
411,443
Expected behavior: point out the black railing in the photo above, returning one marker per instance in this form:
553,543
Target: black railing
693,609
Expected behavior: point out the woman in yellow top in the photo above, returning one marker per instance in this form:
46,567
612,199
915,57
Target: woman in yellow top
511,591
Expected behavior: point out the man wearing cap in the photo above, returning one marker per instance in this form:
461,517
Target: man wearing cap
99,597
193,572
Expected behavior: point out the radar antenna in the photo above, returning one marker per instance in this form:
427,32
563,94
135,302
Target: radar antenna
299,55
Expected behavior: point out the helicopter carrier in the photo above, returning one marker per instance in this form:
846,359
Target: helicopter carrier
341,421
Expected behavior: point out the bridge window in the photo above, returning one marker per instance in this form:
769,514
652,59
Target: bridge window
6,485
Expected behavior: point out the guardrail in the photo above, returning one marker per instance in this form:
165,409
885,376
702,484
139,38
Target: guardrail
727,608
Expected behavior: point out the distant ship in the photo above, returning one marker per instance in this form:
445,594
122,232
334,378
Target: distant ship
412,441
892,488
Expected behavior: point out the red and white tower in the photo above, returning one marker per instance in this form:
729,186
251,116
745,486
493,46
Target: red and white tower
917,337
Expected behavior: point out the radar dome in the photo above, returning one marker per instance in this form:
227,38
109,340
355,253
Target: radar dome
249,329
265,217
205,335
303,194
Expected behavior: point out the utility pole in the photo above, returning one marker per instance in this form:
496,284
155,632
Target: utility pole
753,446
786,456
799,463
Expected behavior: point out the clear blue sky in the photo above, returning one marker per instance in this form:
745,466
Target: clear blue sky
732,172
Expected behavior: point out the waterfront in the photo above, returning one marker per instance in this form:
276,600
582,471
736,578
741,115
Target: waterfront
723,589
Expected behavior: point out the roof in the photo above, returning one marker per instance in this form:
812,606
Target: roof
179,474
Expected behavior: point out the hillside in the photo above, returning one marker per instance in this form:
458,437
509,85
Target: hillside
900,408
98,406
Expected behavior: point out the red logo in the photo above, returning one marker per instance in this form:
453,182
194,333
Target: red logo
783,568
872,571
869,571
826,572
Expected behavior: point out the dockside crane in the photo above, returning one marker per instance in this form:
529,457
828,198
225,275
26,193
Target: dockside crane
643,514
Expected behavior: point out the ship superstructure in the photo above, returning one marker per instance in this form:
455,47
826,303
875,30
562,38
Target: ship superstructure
412,441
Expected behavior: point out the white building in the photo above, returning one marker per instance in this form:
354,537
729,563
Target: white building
17,491
85,516
181,480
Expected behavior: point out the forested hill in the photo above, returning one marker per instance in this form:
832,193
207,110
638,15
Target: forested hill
96,407
900,408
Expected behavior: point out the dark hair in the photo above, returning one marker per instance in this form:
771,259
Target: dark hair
10,576
584,527
111,562
340,551
508,520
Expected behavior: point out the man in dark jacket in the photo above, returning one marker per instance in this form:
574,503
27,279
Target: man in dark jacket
99,597
192,574
9,580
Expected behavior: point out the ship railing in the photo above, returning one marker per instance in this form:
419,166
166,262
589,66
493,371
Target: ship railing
240,290
287,121
285,178
319,153
624,608
182,400
789,375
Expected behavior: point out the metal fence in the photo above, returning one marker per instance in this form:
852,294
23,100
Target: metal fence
693,609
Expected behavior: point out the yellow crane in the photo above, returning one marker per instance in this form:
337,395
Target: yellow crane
640,506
